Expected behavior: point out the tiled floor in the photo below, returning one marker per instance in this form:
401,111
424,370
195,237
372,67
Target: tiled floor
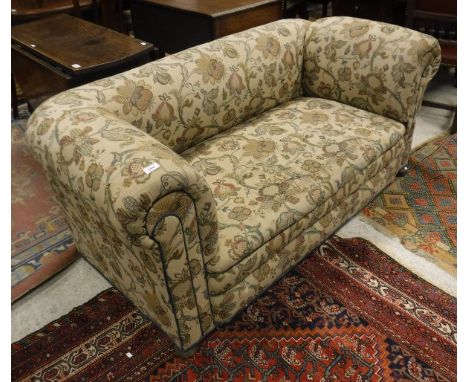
80,282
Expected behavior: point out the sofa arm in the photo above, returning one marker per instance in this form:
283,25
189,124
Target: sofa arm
371,65
148,233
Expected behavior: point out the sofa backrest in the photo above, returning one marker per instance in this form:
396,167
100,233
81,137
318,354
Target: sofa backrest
371,65
190,96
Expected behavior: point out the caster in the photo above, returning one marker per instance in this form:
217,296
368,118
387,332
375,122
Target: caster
403,170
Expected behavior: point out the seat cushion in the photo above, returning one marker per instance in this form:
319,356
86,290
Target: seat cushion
297,160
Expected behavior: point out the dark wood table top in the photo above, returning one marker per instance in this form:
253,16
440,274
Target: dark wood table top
77,46
213,8
38,8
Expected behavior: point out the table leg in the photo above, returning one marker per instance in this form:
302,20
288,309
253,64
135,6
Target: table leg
14,97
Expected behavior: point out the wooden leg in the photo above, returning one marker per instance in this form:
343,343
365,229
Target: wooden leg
111,14
156,54
76,8
14,97
324,8
453,128
95,8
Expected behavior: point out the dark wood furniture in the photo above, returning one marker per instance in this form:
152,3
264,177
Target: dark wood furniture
54,54
115,14
379,10
294,8
27,10
174,25
111,14
439,19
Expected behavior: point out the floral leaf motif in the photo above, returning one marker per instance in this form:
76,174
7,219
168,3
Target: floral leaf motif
94,175
76,145
211,68
230,51
235,83
120,99
210,107
124,217
66,140
269,74
145,202
288,59
355,29
164,114
195,267
135,97
44,126
285,219
268,45
283,31
239,213
133,171
399,70
163,78
362,49
173,179
131,205
259,148
331,48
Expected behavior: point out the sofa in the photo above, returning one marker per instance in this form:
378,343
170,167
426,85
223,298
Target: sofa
196,181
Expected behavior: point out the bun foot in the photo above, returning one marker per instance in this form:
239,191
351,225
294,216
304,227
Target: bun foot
403,170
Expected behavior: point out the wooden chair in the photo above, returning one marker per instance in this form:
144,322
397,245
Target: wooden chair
439,19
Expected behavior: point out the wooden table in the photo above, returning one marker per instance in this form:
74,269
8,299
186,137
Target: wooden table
26,10
56,53
174,25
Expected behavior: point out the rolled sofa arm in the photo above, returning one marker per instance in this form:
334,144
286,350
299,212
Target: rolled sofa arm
148,231
374,66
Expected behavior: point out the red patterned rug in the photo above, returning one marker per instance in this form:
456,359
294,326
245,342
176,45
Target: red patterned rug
347,313
421,207
41,244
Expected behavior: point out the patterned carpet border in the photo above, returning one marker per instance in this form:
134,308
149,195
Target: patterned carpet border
41,244
421,207
346,313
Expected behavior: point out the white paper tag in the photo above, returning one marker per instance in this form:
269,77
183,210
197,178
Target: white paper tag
149,169
129,355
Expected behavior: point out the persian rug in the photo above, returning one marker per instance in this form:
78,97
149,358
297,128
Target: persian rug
41,244
347,312
421,207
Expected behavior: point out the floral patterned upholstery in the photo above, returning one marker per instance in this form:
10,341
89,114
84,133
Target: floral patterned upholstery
374,66
262,144
202,91
278,168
